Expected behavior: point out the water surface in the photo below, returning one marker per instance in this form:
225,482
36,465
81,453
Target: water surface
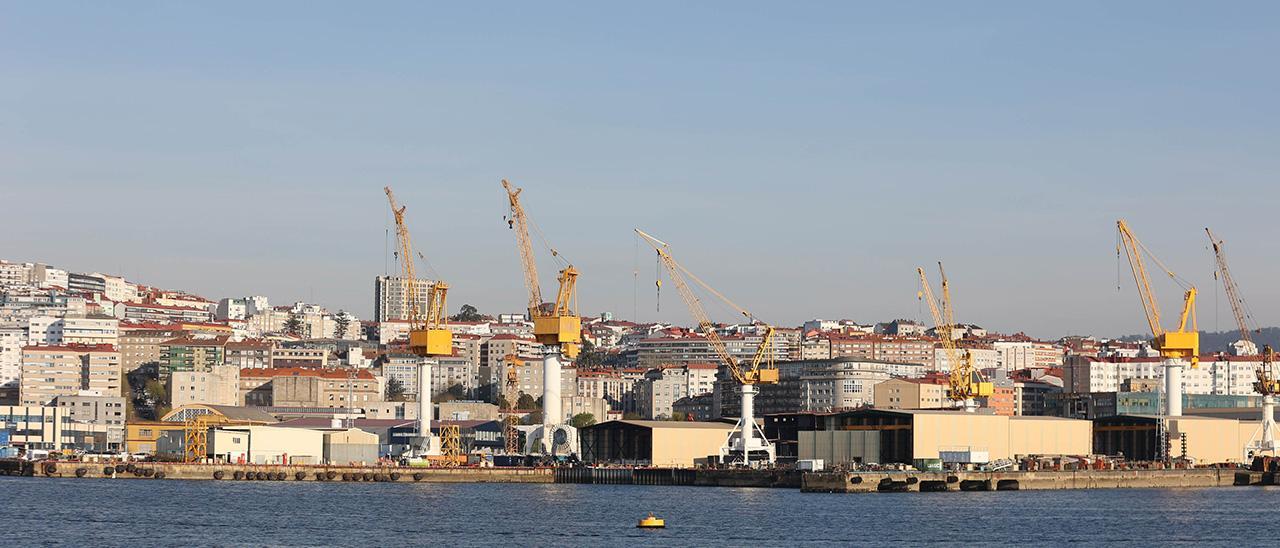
104,512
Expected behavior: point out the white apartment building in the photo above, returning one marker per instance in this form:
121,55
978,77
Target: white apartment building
13,337
1230,375
15,274
391,299
983,358
48,330
1027,354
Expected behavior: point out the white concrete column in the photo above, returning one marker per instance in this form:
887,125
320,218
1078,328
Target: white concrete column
1173,388
551,413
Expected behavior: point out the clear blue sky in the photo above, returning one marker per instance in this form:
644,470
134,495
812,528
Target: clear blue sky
804,158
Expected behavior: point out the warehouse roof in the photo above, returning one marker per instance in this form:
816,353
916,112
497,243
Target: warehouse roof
667,424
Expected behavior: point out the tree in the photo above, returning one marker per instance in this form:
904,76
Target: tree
590,356
467,313
678,416
340,324
293,325
526,402
582,420
395,389
454,392
631,416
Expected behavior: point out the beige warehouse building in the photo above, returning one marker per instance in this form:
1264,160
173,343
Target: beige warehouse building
901,436
1202,440
652,443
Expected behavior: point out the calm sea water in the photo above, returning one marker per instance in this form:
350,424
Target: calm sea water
89,512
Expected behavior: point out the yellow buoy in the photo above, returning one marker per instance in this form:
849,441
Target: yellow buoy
651,522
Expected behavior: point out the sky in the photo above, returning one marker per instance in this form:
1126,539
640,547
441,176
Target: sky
803,158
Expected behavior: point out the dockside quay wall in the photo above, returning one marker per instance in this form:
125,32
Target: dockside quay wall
872,482
233,472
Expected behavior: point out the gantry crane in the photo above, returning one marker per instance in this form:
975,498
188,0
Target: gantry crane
1265,384
747,437
1175,347
1245,346
556,326
428,335
965,382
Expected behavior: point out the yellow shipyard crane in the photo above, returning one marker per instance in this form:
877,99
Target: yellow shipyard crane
556,327
1176,346
1264,440
429,337
965,382
1245,346
558,324
743,440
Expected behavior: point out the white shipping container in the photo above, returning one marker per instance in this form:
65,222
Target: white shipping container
809,465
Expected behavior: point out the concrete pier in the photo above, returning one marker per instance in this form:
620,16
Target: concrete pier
234,472
900,482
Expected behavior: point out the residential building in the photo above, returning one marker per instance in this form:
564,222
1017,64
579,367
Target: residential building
683,350
332,388
698,408
607,385
140,343
299,357
910,394
160,313
13,337
190,353
392,299
218,386
90,330
1217,374
248,353
67,370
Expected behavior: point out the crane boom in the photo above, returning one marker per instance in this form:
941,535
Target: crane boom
1238,307
760,370
520,223
428,335
1177,344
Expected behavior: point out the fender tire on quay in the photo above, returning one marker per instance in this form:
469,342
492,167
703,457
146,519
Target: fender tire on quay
260,476
367,476
50,469
80,472
109,471
121,468
395,476
238,475
300,476
159,475
417,476
330,474
219,475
